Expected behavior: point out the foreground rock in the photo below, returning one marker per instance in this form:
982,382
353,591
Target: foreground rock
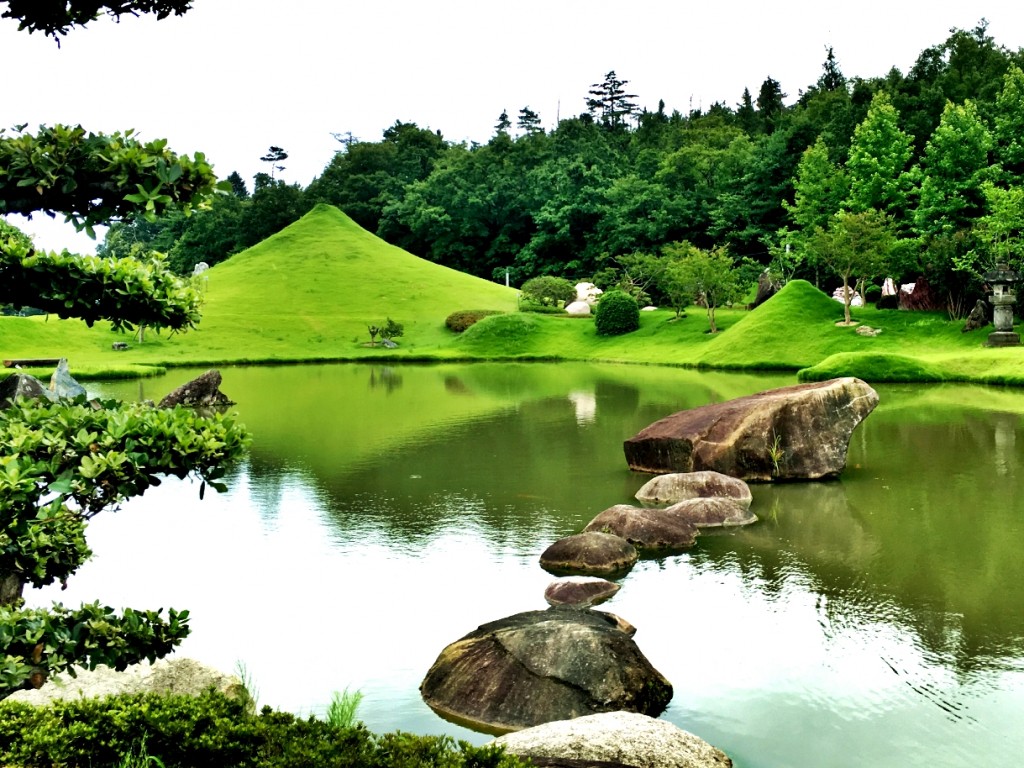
540,666
178,675
22,385
590,553
793,433
202,392
622,738
645,528
580,593
680,486
711,513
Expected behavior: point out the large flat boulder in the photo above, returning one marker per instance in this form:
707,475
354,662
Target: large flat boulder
800,432
622,738
711,513
539,666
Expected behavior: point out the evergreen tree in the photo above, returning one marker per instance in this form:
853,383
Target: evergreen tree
503,123
609,103
832,78
770,104
746,116
529,121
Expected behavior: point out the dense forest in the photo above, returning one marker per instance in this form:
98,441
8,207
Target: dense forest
930,163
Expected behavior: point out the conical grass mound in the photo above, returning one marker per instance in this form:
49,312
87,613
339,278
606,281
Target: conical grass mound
795,328
312,290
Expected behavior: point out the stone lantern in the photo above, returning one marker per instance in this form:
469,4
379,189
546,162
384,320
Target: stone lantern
1002,280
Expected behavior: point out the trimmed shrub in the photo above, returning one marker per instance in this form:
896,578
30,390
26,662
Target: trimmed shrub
872,294
548,291
617,313
211,731
461,320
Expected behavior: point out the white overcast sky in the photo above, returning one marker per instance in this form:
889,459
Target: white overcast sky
232,77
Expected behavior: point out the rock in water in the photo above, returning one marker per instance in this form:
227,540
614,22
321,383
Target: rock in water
22,385
680,486
580,593
793,433
647,529
202,392
589,553
62,384
622,738
539,666
711,513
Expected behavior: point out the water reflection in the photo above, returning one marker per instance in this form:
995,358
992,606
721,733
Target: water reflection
874,620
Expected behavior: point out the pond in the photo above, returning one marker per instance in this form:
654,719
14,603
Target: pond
385,511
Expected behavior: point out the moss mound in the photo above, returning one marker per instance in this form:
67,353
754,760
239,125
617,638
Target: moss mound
872,366
501,335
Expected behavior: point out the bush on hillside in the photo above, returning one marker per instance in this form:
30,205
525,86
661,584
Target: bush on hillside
461,320
548,291
210,731
617,313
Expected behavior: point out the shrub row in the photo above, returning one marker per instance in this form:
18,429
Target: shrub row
212,731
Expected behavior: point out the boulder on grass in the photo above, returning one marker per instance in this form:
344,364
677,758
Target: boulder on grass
680,486
619,738
539,666
580,592
711,513
800,432
589,553
645,528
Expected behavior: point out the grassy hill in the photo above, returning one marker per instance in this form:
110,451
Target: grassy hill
308,293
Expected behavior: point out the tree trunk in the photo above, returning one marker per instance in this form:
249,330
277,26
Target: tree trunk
10,588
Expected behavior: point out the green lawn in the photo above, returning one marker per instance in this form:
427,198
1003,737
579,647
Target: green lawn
309,292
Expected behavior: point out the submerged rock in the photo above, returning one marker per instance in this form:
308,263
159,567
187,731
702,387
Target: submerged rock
711,513
679,486
580,593
539,666
646,528
800,432
589,553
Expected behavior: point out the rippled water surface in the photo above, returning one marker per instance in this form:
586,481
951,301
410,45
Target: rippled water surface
384,512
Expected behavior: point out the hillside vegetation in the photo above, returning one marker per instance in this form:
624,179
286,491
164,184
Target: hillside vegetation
309,292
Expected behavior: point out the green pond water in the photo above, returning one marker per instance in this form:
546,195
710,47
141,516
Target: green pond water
385,511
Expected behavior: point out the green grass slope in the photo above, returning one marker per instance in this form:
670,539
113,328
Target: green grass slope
308,293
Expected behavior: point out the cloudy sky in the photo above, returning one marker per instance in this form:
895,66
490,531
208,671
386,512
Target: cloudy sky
232,77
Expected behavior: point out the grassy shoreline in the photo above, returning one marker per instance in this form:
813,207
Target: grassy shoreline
307,294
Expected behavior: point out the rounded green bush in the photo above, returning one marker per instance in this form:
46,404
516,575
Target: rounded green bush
617,313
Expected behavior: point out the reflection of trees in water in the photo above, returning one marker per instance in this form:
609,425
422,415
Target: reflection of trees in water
386,378
926,536
923,530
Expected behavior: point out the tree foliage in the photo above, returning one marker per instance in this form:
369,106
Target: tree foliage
57,18
62,463
708,277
